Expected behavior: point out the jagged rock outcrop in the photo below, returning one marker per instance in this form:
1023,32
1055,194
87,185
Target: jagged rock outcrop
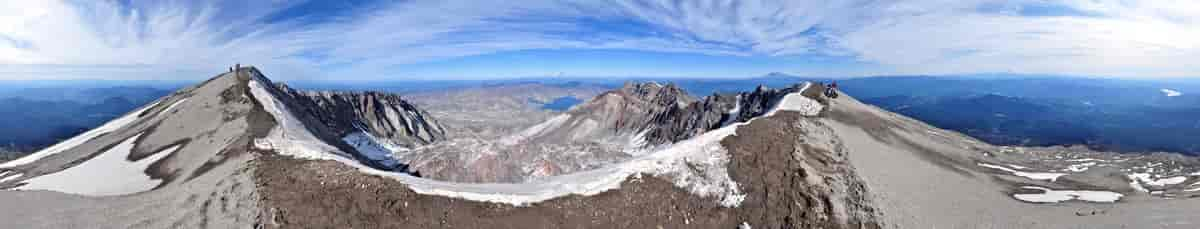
679,123
382,115
650,114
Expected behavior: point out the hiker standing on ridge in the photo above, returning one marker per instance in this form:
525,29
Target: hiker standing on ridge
831,90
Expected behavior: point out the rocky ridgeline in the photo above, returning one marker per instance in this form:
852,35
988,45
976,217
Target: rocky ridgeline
383,115
667,114
682,122
657,114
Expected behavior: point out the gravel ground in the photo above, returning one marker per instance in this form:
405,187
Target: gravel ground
923,177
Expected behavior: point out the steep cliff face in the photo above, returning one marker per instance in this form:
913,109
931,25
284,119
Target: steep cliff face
384,116
682,122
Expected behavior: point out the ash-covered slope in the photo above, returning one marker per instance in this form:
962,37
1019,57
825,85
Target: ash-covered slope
181,161
184,160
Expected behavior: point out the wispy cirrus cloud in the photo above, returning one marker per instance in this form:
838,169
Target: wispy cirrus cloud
377,39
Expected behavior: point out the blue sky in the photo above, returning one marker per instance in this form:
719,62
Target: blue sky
481,39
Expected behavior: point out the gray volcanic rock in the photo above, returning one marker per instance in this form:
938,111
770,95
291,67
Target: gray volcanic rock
715,111
651,114
382,115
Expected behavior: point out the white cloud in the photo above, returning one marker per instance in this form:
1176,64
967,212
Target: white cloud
1125,40
167,39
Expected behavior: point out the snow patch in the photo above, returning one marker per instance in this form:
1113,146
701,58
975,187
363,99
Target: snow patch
107,174
744,225
1080,167
1031,175
1170,93
732,115
80,139
374,149
1056,196
1017,166
1137,179
798,103
173,105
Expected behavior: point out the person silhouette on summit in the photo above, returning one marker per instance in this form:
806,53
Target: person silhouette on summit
831,90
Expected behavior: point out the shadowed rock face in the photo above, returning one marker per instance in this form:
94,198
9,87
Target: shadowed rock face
385,116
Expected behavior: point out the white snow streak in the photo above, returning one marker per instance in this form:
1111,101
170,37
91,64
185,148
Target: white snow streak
80,139
1080,167
1055,196
1137,179
107,174
173,105
9,178
1035,176
537,129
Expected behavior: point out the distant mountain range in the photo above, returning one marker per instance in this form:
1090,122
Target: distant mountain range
32,118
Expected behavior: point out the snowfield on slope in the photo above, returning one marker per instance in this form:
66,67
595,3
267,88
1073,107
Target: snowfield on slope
107,174
1055,196
81,138
374,149
290,136
1031,175
1137,179
704,152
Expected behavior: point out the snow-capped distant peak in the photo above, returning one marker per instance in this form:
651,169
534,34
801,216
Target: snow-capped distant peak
1171,93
